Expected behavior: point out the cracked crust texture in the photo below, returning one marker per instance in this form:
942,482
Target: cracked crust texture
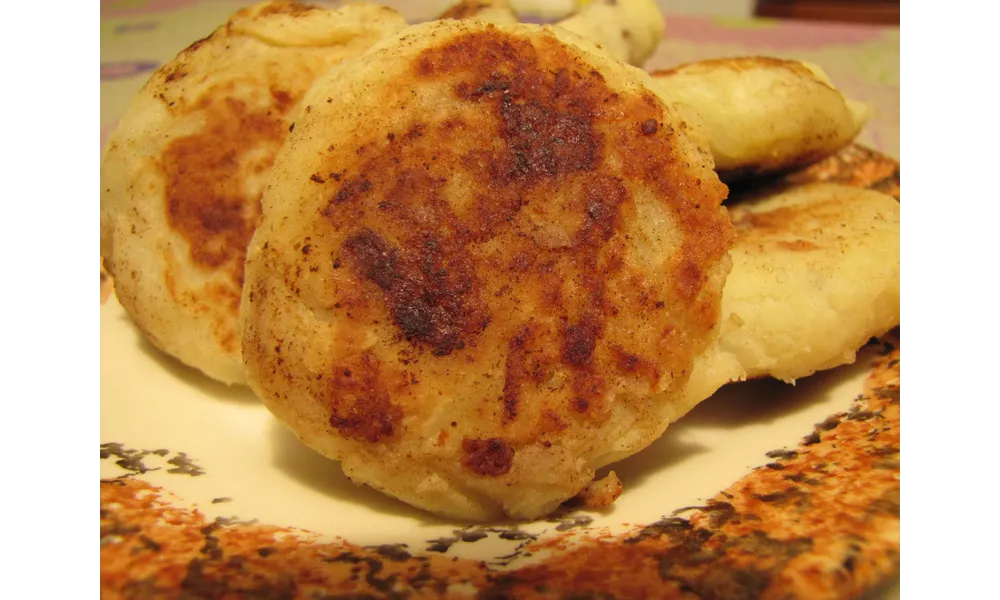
182,176
487,260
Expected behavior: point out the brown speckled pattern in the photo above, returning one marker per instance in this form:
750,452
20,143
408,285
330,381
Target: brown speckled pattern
821,520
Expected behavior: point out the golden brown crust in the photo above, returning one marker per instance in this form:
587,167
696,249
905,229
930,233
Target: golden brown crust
361,401
436,283
183,175
511,213
854,165
815,275
204,200
759,228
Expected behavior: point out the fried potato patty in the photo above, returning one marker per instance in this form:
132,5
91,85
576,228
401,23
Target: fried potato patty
765,115
815,276
182,176
487,259
629,30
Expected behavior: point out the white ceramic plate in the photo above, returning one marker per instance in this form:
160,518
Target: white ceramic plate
161,419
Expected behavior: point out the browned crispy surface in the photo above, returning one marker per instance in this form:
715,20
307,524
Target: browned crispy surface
438,282
205,200
820,521
854,165
184,172
205,196
526,240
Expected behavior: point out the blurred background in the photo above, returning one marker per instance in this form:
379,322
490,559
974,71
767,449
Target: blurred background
858,11
861,11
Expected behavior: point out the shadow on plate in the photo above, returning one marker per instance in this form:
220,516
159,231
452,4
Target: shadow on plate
189,375
665,452
326,477
737,405
764,400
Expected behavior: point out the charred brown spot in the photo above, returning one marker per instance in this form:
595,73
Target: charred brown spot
579,341
648,127
632,363
349,192
198,44
526,365
174,74
376,260
427,289
544,141
491,457
282,99
361,407
603,198
551,422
